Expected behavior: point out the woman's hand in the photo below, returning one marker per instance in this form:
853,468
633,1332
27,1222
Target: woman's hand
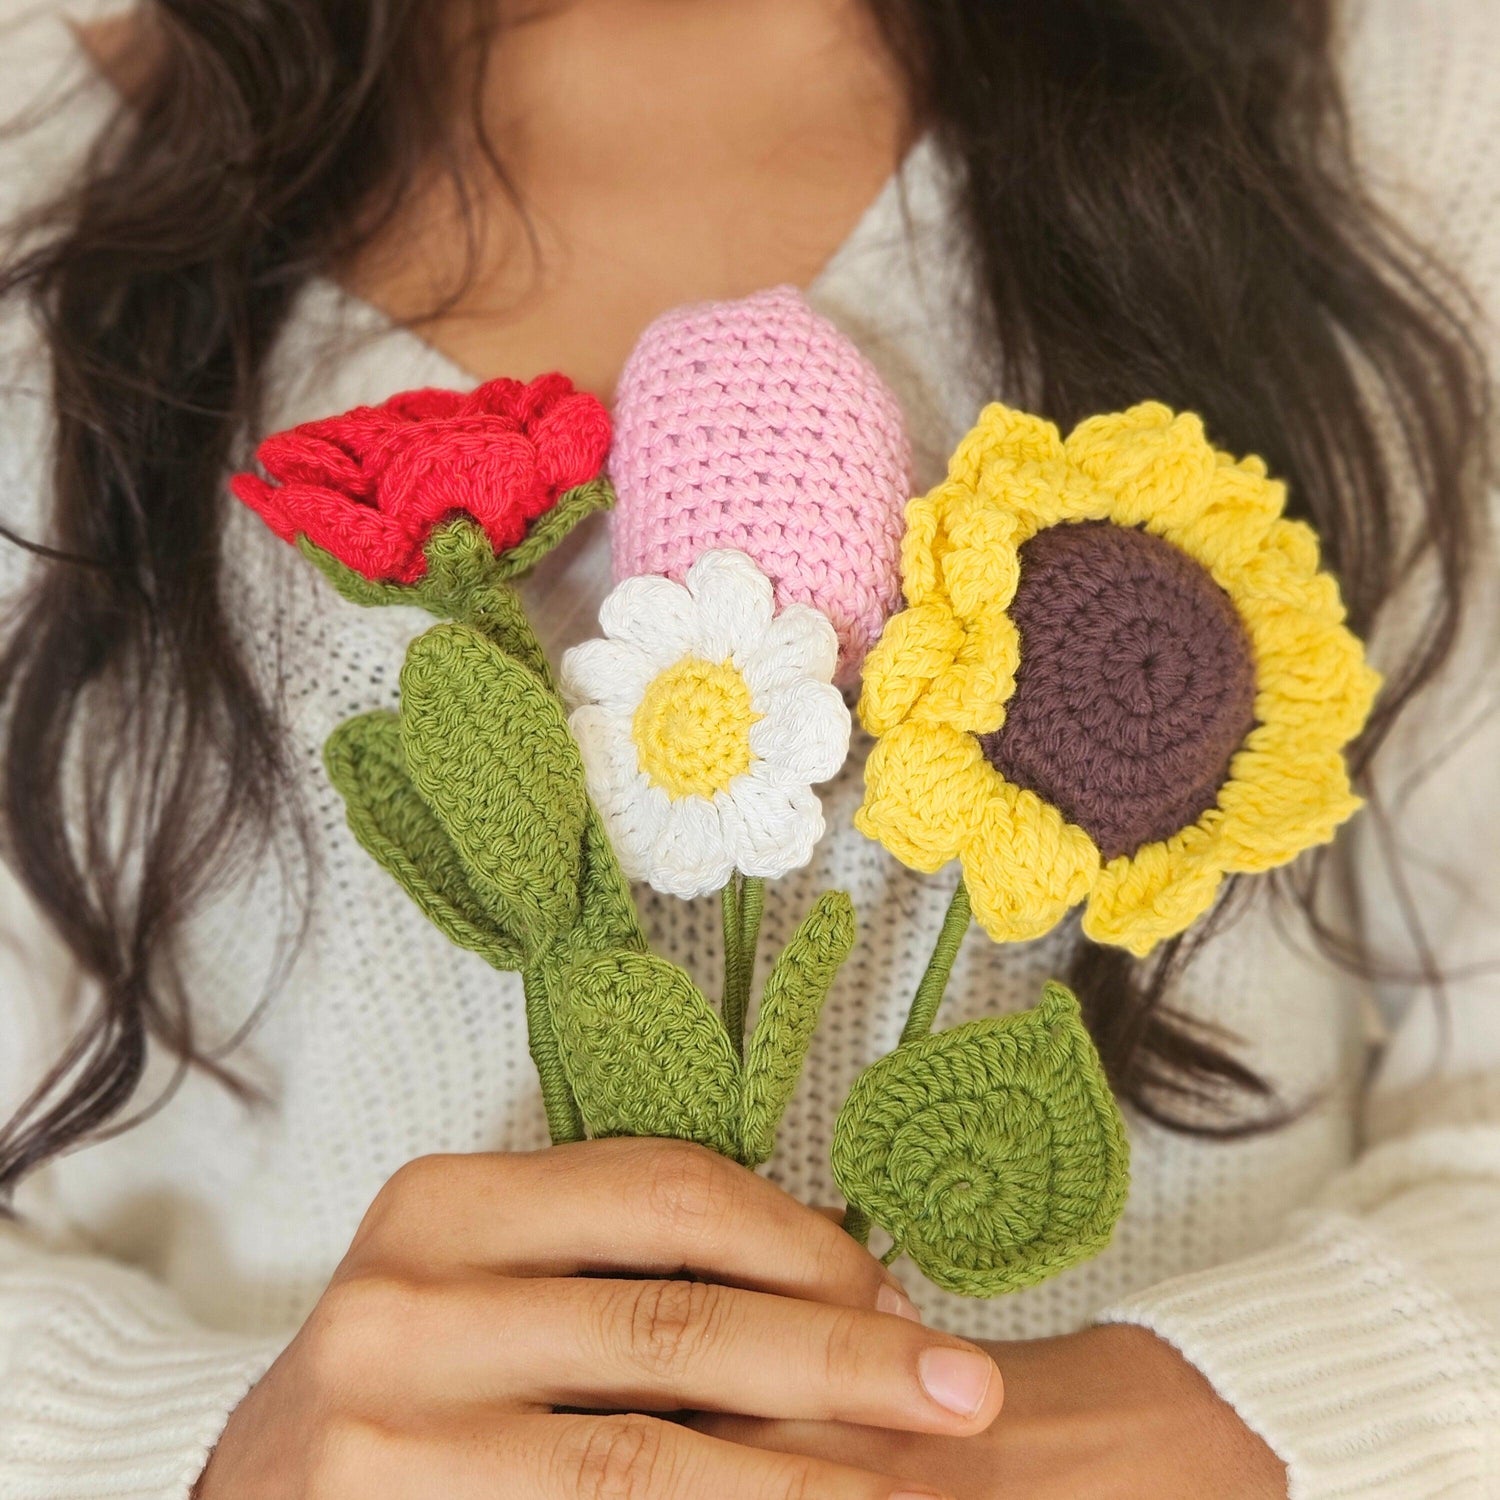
1111,1413
465,1312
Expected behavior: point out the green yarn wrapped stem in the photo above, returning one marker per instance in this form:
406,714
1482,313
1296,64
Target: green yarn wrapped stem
743,901
564,1117
934,985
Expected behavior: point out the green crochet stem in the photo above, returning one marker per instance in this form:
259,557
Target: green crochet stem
564,1118
743,901
934,985
923,1013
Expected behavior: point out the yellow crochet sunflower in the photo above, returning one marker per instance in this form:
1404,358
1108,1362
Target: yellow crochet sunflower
1120,676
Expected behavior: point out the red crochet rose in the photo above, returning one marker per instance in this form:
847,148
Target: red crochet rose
370,486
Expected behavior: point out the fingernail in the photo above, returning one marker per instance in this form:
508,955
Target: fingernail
891,1299
958,1379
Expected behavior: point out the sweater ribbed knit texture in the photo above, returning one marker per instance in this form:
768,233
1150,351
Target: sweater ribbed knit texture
1335,1279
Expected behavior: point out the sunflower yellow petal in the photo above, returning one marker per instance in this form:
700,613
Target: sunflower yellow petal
916,645
1141,899
1309,673
1025,865
919,542
1227,532
1156,466
926,787
1014,464
971,693
981,566
1278,801
1006,437
1284,568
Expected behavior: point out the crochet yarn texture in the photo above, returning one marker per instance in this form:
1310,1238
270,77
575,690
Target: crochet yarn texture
705,718
994,1154
706,713
756,425
1088,734
371,486
1135,687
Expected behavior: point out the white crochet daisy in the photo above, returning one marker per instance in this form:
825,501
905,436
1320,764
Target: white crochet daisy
704,719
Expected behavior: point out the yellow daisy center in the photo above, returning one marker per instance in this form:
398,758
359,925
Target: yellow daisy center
692,728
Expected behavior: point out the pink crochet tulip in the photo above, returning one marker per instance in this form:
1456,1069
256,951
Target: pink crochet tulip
757,425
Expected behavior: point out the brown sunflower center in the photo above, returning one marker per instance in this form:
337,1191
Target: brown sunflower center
1136,684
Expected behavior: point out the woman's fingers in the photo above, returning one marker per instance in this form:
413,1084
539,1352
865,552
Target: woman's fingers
651,1207
589,1458
681,1345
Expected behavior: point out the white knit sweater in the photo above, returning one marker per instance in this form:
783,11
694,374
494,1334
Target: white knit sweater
1337,1280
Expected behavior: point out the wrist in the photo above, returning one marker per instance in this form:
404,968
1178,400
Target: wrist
1136,1413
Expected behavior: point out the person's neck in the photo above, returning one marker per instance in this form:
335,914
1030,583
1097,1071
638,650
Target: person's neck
664,151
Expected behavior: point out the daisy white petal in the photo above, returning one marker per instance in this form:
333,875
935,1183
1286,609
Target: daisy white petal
734,600
636,826
770,828
613,674
633,811
692,857
608,751
655,614
800,642
804,731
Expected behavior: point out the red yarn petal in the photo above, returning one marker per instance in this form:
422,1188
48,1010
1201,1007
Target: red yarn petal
266,501
313,457
360,536
428,404
473,467
503,397
572,439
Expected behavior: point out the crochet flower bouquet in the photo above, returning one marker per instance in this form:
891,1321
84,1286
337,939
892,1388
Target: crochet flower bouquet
1118,676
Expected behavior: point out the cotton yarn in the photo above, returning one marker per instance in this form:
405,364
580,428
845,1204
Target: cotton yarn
994,1154
705,717
1135,688
1122,646
370,486
756,425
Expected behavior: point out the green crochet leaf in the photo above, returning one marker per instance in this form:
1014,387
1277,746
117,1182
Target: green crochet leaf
994,1154
488,749
355,587
398,830
793,998
549,529
646,1053
608,919
498,613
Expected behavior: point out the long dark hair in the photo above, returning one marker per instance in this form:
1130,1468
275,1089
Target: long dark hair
1161,200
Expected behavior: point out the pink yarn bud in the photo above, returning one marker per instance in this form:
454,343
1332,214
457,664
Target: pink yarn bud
757,425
